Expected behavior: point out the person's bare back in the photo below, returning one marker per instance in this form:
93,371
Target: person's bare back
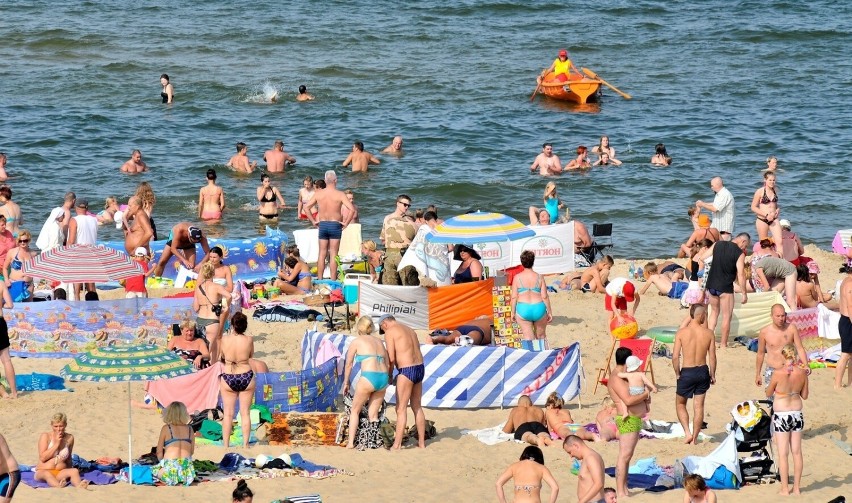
359,158
696,344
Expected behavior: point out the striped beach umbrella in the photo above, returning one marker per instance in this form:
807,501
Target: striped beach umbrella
479,227
126,364
82,264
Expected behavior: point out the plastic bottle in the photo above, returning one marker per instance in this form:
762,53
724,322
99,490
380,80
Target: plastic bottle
631,271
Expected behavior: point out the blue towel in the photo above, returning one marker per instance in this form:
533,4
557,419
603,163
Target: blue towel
39,382
296,461
639,481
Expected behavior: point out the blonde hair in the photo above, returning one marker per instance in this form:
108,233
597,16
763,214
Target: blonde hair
59,418
187,324
550,188
554,400
175,414
789,352
364,325
650,268
146,196
207,270
23,233
109,202
694,482
369,245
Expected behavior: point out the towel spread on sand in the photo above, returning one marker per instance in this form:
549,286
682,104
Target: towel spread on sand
95,477
39,382
198,391
490,436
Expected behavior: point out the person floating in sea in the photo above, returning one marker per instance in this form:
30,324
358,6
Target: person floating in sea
359,158
303,94
561,67
395,148
135,164
240,161
661,157
168,93
277,159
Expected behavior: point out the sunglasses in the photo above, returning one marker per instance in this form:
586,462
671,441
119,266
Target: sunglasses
407,205
22,241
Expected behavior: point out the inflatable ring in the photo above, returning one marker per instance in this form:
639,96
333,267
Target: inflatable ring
662,334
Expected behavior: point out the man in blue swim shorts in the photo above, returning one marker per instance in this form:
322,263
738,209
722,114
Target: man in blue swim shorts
330,222
404,353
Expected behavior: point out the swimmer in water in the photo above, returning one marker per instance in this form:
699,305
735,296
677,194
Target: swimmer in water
303,94
240,161
168,93
211,199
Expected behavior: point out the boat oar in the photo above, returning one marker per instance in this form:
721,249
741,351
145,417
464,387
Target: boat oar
537,87
607,84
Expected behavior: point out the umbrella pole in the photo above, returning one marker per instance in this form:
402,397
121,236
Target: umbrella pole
129,436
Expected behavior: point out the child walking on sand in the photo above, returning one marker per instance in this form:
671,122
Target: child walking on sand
637,381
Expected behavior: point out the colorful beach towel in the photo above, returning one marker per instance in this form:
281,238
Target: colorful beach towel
198,391
95,477
39,382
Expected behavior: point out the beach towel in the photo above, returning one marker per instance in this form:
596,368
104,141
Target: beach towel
308,498
51,233
724,455
198,391
278,312
39,382
827,323
490,436
665,430
650,483
95,477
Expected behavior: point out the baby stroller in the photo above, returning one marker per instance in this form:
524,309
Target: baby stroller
751,428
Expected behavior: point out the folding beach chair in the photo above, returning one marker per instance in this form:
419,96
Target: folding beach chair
601,240
641,348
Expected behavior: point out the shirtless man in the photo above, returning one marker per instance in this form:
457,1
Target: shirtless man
10,473
303,94
395,148
698,372
139,233
181,243
770,340
240,161
593,279
590,479
276,159
134,164
527,423
359,159
404,354
211,199
330,221
547,162
844,326
354,219
582,239
628,426
67,204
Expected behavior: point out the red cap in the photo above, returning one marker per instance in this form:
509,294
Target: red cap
563,52
629,291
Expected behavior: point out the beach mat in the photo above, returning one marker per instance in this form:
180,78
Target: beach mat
307,498
95,477
296,428
641,481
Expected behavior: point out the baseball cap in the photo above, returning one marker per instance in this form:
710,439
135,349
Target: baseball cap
82,203
381,319
140,252
632,363
195,234
628,291
785,223
563,52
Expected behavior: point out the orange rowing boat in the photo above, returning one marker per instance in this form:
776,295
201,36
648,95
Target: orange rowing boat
577,88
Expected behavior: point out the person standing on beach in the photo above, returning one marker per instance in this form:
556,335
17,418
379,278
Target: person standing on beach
211,199
240,161
277,159
329,221
181,243
697,345
397,233
628,426
359,159
722,208
546,162
395,148
590,478
168,93
844,326
7,239
83,230
404,354
303,94
770,340
139,233
10,473
728,266
527,476
134,164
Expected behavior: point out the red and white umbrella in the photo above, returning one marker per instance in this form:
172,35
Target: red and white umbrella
82,264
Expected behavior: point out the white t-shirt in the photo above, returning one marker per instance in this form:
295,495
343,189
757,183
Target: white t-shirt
723,217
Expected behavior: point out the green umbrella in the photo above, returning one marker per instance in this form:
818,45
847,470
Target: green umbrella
126,364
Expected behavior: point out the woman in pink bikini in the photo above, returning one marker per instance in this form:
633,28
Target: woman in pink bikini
211,199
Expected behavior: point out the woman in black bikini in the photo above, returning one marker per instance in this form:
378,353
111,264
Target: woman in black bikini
270,200
168,93
238,379
190,348
207,304
764,204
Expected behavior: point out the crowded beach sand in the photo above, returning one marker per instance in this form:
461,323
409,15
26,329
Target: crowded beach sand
454,466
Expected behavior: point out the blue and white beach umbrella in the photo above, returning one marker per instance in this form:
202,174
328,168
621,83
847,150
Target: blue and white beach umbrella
479,227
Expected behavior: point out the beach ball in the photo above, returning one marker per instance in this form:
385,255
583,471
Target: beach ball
624,327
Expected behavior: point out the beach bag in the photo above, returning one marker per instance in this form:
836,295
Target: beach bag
723,479
142,475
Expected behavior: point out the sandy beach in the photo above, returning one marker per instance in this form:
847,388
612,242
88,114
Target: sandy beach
454,467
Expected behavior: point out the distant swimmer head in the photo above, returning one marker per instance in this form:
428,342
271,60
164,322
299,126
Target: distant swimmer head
164,77
211,174
358,145
661,149
582,149
264,178
241,146
549,189
303,89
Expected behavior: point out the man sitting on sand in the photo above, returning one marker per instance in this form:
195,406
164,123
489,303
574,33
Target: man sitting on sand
770,340
478,330
181,243
359,159
527,423
594,279
590,479
698,372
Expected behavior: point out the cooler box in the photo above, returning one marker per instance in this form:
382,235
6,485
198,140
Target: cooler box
350,286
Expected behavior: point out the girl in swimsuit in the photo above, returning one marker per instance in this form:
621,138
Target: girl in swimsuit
661,157
605,148
211,199
370,353
222,276
20,286
175,448
764,205
107,215
54,456
10,210
581,162
306,193
695,490
190,348
295,278
528,474
530,303
552,205
207,295
168,93
789,387
270,199
147,198
238,380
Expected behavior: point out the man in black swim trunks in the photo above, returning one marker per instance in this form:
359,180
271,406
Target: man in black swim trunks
728,266
527,423
181,244
479,330
697,345
845,328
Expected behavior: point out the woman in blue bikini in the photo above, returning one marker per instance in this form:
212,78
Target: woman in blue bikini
530,304
370,353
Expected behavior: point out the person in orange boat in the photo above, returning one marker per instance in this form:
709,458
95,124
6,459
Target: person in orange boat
562,66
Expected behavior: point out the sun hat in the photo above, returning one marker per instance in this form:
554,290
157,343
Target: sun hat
704,221
462,247
785,223
632,363
140,252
